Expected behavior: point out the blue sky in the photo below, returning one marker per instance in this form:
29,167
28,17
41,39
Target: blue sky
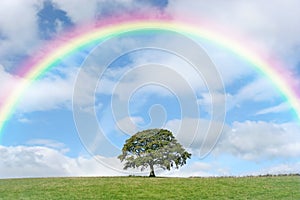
73,121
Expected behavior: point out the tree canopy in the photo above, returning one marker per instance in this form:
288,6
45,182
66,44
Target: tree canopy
153,147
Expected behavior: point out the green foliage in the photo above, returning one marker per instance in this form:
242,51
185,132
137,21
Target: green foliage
283,187
153,147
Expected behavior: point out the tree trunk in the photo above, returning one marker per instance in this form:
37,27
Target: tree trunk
151,171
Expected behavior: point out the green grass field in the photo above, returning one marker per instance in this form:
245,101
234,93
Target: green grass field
281,187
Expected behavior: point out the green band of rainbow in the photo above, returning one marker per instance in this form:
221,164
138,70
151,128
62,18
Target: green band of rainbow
37,66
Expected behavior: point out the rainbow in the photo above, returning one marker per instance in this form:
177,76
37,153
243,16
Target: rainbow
76,39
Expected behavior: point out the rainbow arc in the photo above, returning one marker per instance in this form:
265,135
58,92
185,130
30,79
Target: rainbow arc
57,50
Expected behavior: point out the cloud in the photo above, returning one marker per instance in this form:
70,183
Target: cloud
10,81
38,161
51,92
41,161
146,73
24,120
128,125
198,169
260,89
153,66
282,107
47,143
242,140
231,67
167,78
220,103
18,37
98,9
258,141
270,24
178,68
199,135
283,168
256,91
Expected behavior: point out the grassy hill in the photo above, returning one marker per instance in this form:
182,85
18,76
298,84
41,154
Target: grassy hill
279,187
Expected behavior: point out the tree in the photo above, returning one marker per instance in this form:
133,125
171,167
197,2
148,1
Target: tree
153,147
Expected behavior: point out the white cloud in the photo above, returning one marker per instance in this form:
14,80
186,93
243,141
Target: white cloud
246,140
283,168
231,67
129,125
47,143
50,92
260,140
220,102
174,72
199,135
195,169
10,83
18,36
258,90
95,9
270,23
37,161
282,107
167,78
24,120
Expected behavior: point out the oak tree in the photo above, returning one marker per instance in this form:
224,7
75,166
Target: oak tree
153,147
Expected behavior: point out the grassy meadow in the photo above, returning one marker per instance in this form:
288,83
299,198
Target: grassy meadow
278,187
